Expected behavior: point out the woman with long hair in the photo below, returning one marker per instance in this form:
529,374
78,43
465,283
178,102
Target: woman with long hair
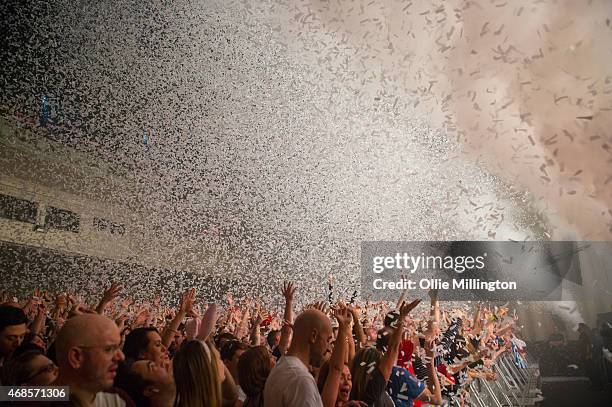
344,386
254,367
365,364
371,369
198,373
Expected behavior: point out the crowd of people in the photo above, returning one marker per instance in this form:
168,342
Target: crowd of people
240,353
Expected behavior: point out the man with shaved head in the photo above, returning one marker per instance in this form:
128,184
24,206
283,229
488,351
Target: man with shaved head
290,383
88,349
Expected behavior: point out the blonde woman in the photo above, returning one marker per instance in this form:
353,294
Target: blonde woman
198,373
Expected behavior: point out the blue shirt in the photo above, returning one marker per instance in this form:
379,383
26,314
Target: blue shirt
404,387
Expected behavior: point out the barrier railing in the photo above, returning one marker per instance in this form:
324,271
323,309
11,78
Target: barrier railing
514,386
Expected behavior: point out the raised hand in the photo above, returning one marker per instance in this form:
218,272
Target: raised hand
111,293
353,311
406,308
432,331
256,319
29,308
186,304
125,304
230,300
157,300
343,315
141,317
72,299
194,312
42,308
60,301
288,290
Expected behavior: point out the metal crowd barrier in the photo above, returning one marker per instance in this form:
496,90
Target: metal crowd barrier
513,387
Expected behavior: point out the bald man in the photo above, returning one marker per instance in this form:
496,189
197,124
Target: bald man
290,383
88,349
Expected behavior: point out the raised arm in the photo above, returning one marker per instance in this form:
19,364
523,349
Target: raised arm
389,358
477,327
433,393
184,307
242,328
38,324
208,322
336,361
109,295
499,351
350,352
434,311
285,340
256,320
357,328
433,325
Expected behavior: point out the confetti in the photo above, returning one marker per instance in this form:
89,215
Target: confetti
294,132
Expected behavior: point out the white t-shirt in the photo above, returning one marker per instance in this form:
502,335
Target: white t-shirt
290,384
104,399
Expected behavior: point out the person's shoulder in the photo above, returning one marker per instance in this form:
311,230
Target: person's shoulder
407,381
288,372
396,371
287,387
283,372
291,364
400,375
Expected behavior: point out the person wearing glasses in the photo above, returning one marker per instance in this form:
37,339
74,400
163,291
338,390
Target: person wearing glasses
30,368
88,349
